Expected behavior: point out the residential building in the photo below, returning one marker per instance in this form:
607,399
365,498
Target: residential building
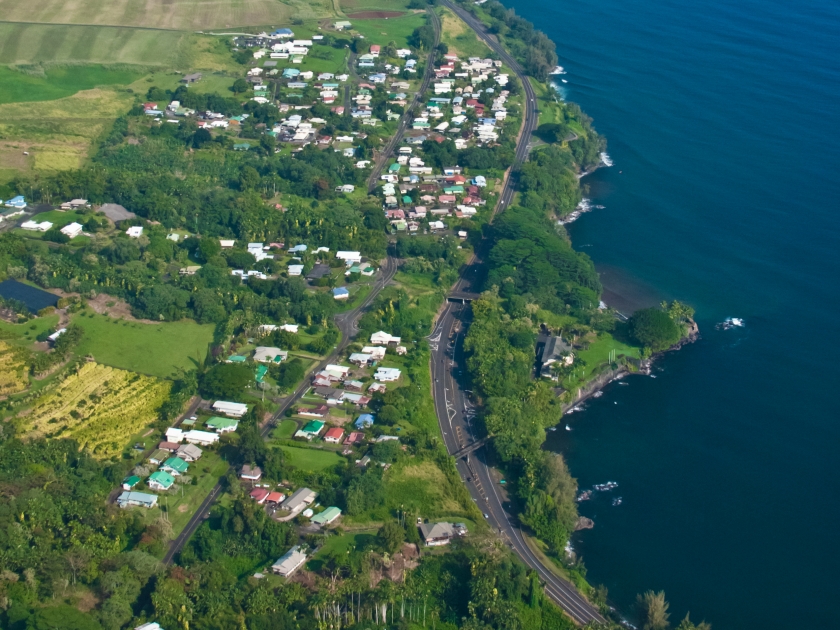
341,293
327,516
436,534
300,499
174,435
356,437
259,495
230,409
158,457
268,354
135,231
334,435
364,421
189,452
34,226
72,230
556,350
129,482
175,466
382,338
204,438
311,430
128,499
289,562
360,359
387,375
250,473
160,480
222,425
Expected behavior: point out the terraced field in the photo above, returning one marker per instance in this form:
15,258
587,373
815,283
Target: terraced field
13,368
99,406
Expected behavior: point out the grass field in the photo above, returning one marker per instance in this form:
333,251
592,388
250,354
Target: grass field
186,15
351,6
310,458
25,334
155,349
59,82
420,486
397,29
336,545
57,134
461,39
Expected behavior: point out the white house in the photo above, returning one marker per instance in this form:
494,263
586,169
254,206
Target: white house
174,435
72,229
204,438
387,375
289,562
295,270
35,226
135,231
382,338
231,409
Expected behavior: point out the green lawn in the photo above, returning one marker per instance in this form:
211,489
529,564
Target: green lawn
25,334
597,355
335,545
285,430
59,82
309,458
155,349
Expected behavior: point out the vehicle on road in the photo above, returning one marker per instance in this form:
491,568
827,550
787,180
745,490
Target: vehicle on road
486,515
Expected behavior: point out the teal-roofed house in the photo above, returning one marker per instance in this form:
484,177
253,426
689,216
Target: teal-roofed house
327,516
160,480
222,425
129,482
311,430
175,466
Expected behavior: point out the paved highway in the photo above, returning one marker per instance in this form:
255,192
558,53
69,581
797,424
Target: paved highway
348,325
401,129
452,402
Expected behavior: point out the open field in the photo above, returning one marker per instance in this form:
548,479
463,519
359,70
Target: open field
421,487
310,458
99,406
382,31
461,39
336,545
185,15
351,6
155,349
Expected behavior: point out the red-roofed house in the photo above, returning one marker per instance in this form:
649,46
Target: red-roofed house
457,179
316,412
334,435
472,103
447,198
275,497
259,495
374,50
356,437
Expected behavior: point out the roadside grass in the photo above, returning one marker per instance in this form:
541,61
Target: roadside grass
285,430
310,459
384,30
175,15
161,350
461,39
421,487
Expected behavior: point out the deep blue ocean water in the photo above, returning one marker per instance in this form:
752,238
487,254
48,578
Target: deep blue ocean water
723,120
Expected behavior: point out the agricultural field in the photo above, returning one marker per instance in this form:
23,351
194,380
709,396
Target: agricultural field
57,134
162,350
99,406
384,30
177,15
355,6
461,39
13,369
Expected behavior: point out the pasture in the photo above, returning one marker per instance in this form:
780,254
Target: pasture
177,15
162,349
310,459
396,29
461,39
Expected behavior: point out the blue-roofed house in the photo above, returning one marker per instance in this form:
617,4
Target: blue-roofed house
341,293
297,249
283,32
290,73
16,202
364,421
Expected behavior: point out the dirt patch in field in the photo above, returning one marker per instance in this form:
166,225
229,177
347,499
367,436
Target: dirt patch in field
374,15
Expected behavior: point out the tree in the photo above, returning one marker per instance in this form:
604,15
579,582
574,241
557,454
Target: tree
391,536
62,617
654,329
226,380
201,137
239,86
653,611
208,248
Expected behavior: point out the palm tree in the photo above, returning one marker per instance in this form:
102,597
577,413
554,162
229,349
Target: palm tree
653,610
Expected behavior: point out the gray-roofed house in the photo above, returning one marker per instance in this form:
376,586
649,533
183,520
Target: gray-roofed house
269,354
437,534
556,350
128,499
289,562
299,500
189,452
116,212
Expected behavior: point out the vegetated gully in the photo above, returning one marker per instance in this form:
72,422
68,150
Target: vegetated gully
452,404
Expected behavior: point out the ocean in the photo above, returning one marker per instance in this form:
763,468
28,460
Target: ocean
722,120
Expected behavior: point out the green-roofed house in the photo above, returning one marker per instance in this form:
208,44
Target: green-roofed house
394,168
327,516
262,370
452,190
311,430
236,358
401,225
160,480
129,482
241,146
222,425
175,466
406,199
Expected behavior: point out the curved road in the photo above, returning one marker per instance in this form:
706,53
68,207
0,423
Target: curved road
452,403
401,129
347,323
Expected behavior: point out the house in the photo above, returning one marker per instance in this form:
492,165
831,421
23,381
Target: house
289,562
342,26
346,188
556,350
377,388
283,33
340,293
160,480
357,399
360,359
354,386
230,409
191,78
174,435
34,226
327,516
315,412
382,338
158,457
334,435
387,438
275,497
356,437
205,438
268,354
364,421
222,425
300,499
72,229
135,231
127,499
436,534
295,270
374,50
129,482
190,270
18,202
152,625
259,495
387,375
250,473
189,452
169,447
311,430
175,466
